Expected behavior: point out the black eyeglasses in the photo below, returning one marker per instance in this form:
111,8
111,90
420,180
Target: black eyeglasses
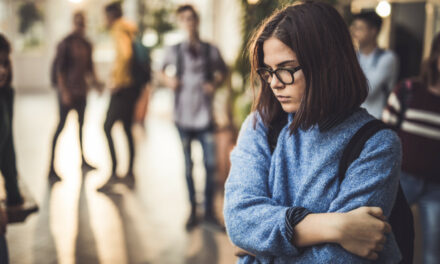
285,75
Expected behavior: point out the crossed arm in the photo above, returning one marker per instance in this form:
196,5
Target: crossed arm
256,223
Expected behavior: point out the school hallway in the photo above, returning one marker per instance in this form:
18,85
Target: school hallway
77,224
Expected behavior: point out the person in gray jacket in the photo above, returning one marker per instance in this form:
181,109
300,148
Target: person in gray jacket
197,69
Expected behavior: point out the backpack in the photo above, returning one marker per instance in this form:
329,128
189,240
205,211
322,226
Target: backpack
141,63
401,218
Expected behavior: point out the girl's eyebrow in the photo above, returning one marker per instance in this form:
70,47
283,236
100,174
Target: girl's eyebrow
281,64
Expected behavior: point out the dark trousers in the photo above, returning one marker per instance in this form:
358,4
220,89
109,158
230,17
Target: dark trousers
4,258
121,108
79,105
207,140
7,152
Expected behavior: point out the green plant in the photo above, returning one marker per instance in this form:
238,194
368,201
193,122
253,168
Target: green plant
28,15
157,16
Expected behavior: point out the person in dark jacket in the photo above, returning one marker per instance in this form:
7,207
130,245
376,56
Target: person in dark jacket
72,67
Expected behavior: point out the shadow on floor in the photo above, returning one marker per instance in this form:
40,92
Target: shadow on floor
85,245
43,248
208,253
135,250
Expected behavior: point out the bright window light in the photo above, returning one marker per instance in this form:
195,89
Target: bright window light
75,1
150,38
383,9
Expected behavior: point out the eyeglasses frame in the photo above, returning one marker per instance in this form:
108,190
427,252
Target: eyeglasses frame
272,72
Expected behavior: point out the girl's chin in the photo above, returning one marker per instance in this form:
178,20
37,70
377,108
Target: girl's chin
290,108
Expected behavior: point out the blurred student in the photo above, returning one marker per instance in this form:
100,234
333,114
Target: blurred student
380,66
414,109
125,88
198,69
71,72
16,204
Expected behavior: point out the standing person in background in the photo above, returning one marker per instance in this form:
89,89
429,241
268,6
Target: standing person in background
7,155
72,68
380,66
414,109
16,205
125,90
198,70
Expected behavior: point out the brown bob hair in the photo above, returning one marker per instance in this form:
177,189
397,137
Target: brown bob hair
335,83
430,74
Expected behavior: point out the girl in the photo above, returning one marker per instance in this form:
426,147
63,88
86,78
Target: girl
289,206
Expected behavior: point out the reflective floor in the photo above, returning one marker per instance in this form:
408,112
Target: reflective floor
77,224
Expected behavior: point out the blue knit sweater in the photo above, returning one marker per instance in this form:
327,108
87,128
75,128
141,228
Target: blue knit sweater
303,172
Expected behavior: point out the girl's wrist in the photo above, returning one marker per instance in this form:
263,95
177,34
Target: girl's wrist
334,227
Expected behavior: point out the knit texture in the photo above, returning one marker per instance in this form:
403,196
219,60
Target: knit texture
303,172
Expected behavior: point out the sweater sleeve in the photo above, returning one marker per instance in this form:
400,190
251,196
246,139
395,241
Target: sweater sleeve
371,180
254,221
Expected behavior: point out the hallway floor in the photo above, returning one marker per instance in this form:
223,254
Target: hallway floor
77,224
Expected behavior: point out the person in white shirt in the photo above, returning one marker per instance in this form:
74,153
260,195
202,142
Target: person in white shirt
380,66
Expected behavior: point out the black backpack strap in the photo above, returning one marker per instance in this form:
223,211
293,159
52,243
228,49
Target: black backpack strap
384,87
179,60
206,49
356,144
379,52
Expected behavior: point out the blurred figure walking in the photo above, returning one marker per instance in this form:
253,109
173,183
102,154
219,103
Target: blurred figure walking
197,69
18,206
71,71
128,82
414,109
380,66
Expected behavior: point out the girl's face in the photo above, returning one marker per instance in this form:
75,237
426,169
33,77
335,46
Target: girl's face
278,55
4,68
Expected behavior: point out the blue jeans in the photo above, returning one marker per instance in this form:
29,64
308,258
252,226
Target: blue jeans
207,140
427,196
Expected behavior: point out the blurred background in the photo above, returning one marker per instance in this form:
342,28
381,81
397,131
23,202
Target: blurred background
77,224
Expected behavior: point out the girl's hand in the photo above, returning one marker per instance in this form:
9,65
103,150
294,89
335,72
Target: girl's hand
362,231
